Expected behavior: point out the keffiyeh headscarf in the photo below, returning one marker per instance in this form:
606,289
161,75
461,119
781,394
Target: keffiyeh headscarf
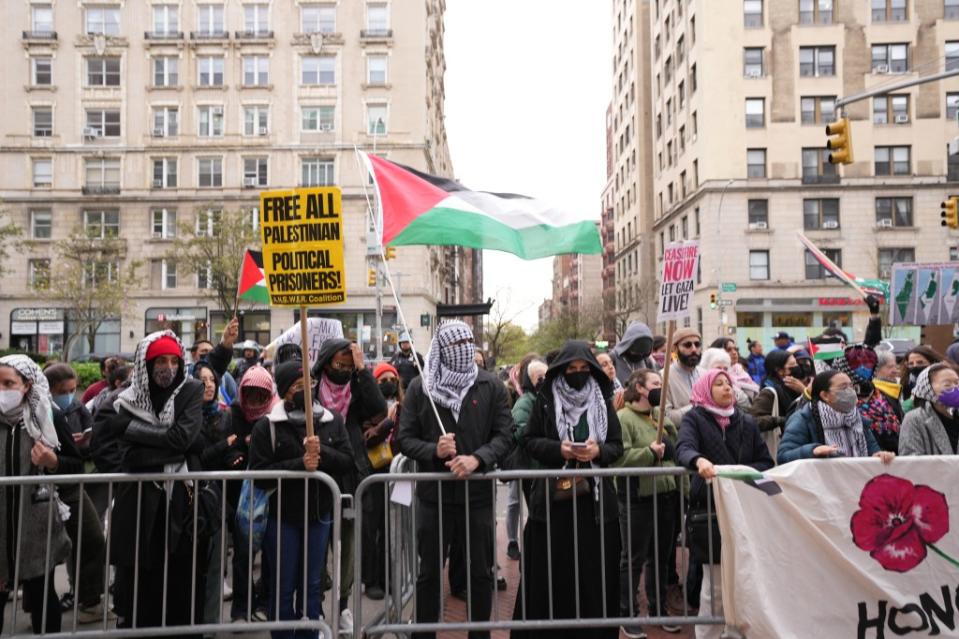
858,362
842,430
38,416
923,388
702,395
450,367
257,377
572,403
136,399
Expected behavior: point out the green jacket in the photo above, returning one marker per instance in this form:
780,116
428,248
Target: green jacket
639,431
521,412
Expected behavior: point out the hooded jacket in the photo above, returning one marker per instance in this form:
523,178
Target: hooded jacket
367,410
542,441
634,332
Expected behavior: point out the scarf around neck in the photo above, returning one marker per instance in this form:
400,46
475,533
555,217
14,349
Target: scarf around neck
702,395
336,396
883,418
37,413
571,404
842,430
450,370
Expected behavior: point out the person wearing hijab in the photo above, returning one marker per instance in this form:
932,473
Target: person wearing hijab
830,426
151,428
633,351
916,360
715,432
475,435
933,427
719,358
780,389
572,425
29,445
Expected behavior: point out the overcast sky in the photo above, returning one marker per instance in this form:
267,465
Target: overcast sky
527,84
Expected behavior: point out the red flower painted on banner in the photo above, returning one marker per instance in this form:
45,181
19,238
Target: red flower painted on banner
897,520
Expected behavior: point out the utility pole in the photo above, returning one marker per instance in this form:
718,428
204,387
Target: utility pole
379,310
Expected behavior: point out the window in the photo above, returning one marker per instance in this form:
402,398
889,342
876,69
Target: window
41,225
755,113
101,224
889,10
756,163
952,105
168,273
210,172
164,173
758,211
317,172
952,55
207,223
103,72
210,20
376,69
815,270
103,20
952,166
753,13
318,118
166,20
105,122
166,121
816,167
166,71
256,19
753,62
894,211
38,273
41,71
892,160
42,121
820,214
41,18
759,265
256,120
692,79
887,109
42,172
818,109
951,9
102,173
817,61
163,223
376,118
890,58
890,256
210,71
256,70
319,69
318,18
815,11
255,172
377,17
210,121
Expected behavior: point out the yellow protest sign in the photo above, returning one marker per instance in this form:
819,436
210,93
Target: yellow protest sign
302,233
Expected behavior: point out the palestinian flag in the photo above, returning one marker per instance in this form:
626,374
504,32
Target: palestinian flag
417,208
825,351
252,282
864,287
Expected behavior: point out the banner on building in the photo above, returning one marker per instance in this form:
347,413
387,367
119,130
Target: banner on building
924,294
842,548
318,331
680,264
302,233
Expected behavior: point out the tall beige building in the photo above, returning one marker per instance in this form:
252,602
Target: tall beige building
130,118
740,93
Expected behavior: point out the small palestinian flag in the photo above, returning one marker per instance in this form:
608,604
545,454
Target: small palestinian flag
417,208
252,283
825,351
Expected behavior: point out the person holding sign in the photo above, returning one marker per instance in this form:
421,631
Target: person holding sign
280,442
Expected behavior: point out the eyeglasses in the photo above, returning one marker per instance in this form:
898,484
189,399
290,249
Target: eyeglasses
691,344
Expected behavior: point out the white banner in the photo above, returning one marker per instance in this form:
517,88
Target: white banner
319,329
848,548
677,280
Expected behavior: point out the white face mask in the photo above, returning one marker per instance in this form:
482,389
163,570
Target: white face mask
9,399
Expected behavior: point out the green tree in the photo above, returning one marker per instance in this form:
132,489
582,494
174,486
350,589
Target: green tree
9,232
567,325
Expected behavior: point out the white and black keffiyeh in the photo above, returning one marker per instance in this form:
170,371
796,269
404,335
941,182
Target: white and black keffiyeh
843,430
923,387
38,416
570,404
450,367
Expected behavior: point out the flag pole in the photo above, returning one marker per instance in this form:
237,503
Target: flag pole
307,385
378,230
662,399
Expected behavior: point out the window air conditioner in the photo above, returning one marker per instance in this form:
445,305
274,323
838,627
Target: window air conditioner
90,132
158,183
326,127
754,73
249,181
758,226
902,118
881,68
884,223
831,224
159,132
263,130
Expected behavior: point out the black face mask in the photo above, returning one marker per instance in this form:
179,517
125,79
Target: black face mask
639,350
577,380
388,389
538,386
795,371
915,371
655,396
297,402
339,377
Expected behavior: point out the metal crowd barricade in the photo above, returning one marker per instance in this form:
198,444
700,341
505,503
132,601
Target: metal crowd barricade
105,626
397,614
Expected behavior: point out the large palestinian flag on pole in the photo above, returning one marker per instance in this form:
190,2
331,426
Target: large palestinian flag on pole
252,284
417,208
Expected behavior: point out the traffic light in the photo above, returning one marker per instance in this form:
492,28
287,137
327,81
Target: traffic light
950,212
390,253
841,141
713,303
371,277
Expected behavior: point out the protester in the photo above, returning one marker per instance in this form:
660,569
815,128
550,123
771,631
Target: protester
250,357
688,346
117,378
633,351
773,403
532,382
300,519
28,446
740,376
403,361
917,360
756,362
881,408
606,362
715,431
659,350
718,358
480,358
783,340
648,508
572,425
220,357
107,364
831,425
150,429
288,352
475,436
933,427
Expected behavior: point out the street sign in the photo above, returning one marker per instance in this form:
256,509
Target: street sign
728,287
725,302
